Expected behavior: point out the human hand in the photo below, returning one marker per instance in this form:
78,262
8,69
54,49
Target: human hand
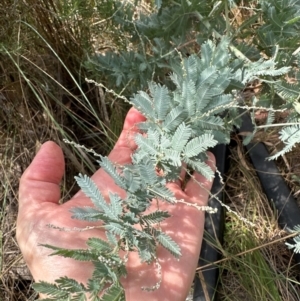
39,195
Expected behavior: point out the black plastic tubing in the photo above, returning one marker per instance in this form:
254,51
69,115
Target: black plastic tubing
273,184
213,232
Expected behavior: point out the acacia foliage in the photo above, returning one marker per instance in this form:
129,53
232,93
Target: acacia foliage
181,125
189,110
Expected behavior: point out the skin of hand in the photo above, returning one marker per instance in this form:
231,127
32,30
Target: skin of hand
39,196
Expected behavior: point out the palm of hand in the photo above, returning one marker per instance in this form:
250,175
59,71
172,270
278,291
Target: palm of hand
39,196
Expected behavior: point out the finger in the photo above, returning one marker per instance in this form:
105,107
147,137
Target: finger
40,182
198,187
177,185
182,174
125,145
121,153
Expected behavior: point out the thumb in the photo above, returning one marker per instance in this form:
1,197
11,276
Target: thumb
40,181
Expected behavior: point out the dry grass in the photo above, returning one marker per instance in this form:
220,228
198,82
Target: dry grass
266,272
16,149
256,264
43,96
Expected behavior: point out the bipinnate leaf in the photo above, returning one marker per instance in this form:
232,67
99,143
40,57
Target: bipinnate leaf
62,290
296,239
181,137
146,249
200,167
99,244
132,179
161,192
111,169
174,118
208,76
270,118
165,141
115,205
199,144
204,96
188,96
114,293
111,211
191,67
260,68
50,289
94,285
209,123
172,156
145,144
217,104
161,98
290,135
155,217
296,246
90,189
287,90
70,285
143,102
167,242
111,238
153,136
131,218
115,228
207,49
87,214
77,254
147,172
221,55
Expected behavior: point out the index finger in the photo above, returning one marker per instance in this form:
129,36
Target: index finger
125,145
121,153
